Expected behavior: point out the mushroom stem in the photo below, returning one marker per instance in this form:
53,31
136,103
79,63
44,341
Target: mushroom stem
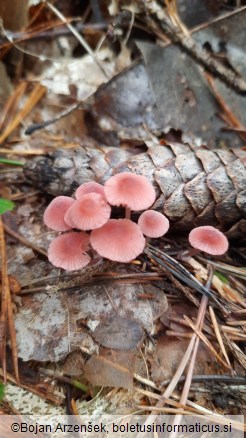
127,213
147,239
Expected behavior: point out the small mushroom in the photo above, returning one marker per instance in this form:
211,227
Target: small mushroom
55,212
88,212
67,251
89,187
209,240
153,224
135,192
120,240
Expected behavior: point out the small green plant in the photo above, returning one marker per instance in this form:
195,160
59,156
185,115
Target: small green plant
1,391
6,205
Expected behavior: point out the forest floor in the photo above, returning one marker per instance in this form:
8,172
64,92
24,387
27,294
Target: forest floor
84,90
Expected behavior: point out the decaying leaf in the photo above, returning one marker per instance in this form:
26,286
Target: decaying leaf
50,326
119,333
111,368
194,185
168,355
125,103
169,89
73,363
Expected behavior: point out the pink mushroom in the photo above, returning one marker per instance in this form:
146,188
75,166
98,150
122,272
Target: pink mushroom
67,251
55,212
153,223
68,219
88,212
130,190
119,240
90,187
209,240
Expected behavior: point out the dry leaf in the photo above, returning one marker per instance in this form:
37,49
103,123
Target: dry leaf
48,325
168,355
111,368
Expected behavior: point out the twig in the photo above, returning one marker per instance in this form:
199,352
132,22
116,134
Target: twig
24,241
64,379
199,54
37,126
236,380
52,31
53,395
78,36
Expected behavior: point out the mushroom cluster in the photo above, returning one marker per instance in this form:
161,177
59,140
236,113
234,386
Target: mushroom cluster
86,223
87,220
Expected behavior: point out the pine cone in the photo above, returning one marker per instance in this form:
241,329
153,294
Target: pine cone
195,186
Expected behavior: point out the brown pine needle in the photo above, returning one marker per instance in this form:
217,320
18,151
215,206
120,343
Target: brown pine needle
12,333
12,104
199,325
218,335
206,341
7,313
4,305
33,99
229,116
22,152
236,351
161,410
170,388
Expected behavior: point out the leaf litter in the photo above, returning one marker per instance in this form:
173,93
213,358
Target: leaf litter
114,321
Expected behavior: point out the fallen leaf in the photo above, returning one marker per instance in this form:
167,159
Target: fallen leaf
111,368
119,333
48,325
168,355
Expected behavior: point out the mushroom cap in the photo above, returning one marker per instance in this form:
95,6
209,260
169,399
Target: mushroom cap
130,190
67,251
209,240
89,212
55,212
153,223
89,187
68,219
120,240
